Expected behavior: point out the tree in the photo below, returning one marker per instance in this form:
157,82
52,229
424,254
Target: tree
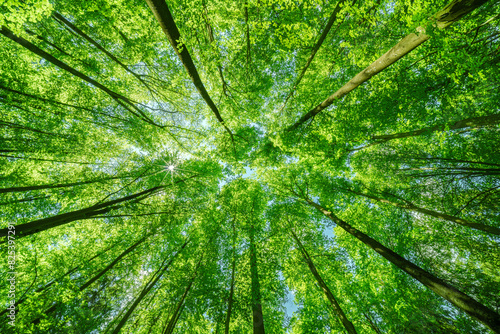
169,167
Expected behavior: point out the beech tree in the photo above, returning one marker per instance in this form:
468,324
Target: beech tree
275,166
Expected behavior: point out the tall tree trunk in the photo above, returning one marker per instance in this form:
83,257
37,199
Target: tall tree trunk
89,39
120,99
412,207
231,291
177,312
98,275
329,295
149,285
258,317
164,17
315,49
64,218
451,13
461,300
473,122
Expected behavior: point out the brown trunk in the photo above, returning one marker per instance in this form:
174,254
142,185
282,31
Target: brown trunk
462,301
329,295
451,13
412,207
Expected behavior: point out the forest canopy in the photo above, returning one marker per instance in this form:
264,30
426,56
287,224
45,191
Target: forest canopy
251,166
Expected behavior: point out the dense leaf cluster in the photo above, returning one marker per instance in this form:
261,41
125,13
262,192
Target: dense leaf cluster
279,166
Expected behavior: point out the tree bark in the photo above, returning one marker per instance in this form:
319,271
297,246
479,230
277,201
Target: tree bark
64,218
329,295
258,317
461,300
164,17
120,99
412,207
442,19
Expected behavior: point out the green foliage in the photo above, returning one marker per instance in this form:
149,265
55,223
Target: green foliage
97,173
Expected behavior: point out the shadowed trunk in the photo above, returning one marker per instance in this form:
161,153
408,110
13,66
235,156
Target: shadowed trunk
412,207
64,218
149,285
258,317
461,300
164,17
329,295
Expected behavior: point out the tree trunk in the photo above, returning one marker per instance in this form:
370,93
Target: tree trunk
96,277
451,13
473,122
64,218
149,285
231,291
315,49
462,301
177,312
258,318
120,99
164,17
412,207
329,295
